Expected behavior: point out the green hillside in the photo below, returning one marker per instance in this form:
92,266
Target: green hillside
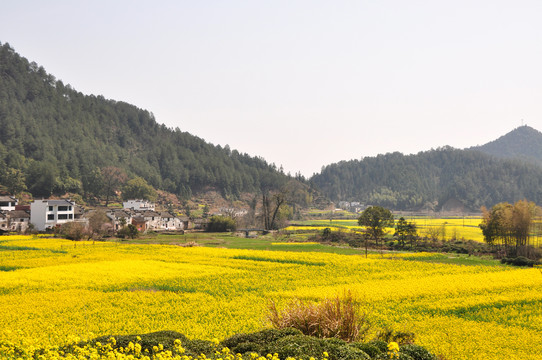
54,139
523,143
431,179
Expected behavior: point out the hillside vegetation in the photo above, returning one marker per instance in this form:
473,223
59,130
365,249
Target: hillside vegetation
54,139
431,179
523,143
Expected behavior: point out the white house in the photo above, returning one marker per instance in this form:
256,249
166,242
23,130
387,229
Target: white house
18,220
7,203
169,221
3,223
138,205
117,215
46,214
152,219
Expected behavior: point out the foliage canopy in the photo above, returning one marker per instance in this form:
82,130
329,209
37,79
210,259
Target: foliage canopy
55,139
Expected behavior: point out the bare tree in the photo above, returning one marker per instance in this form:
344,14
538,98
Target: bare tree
113,177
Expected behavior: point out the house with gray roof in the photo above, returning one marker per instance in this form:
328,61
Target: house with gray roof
46,214
7,203
18,220
3,223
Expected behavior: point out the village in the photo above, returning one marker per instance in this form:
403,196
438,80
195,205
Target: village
49,214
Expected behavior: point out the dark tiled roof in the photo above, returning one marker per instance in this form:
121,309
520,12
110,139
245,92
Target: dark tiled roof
150,213
58,202
18,214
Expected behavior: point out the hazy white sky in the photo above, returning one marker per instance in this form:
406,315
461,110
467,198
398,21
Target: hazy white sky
301,83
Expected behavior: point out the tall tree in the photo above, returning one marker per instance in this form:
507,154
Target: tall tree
113,178
93,182
510,226
41,178
15,181
376,219
138,188
405,230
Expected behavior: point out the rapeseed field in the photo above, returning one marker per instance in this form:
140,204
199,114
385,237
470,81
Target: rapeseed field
57,290
448,228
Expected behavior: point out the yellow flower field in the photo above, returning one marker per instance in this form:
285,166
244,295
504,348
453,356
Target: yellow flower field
461,228
56,290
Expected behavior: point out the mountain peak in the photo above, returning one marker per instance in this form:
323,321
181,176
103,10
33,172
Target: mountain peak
524,142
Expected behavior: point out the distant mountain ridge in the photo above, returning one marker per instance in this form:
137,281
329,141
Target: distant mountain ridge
507,169
523,143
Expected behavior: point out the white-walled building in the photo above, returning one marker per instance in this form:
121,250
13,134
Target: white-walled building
46,214
18,220
169,221
139,205
116,215
4,223
7,203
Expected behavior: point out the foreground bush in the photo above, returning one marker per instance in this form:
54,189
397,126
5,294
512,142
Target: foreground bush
285,344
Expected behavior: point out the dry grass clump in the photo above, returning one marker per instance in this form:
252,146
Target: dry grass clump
189,244
337,317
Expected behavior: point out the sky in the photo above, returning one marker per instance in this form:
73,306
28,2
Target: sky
300,83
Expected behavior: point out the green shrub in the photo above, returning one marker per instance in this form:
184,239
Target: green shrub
285,342
221,224
302,346
385,356
129,231
523,261
388,335
417,352
369,348
257,342
518,261
196,347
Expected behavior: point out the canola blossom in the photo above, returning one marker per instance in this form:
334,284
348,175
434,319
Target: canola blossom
54,291
459,228
133,350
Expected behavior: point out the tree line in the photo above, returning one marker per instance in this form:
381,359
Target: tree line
429,179
515,228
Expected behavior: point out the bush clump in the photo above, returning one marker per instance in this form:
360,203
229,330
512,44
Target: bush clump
519,261
221,224
301,346
148,341
284,343
337,317
258,342
417,352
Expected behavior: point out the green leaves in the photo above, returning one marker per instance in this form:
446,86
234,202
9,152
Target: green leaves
375,219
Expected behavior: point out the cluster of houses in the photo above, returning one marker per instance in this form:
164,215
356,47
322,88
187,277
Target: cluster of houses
142,214
352,206
13,217
48,214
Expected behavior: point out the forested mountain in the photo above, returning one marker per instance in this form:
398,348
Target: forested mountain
56,139
524,143
431,178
